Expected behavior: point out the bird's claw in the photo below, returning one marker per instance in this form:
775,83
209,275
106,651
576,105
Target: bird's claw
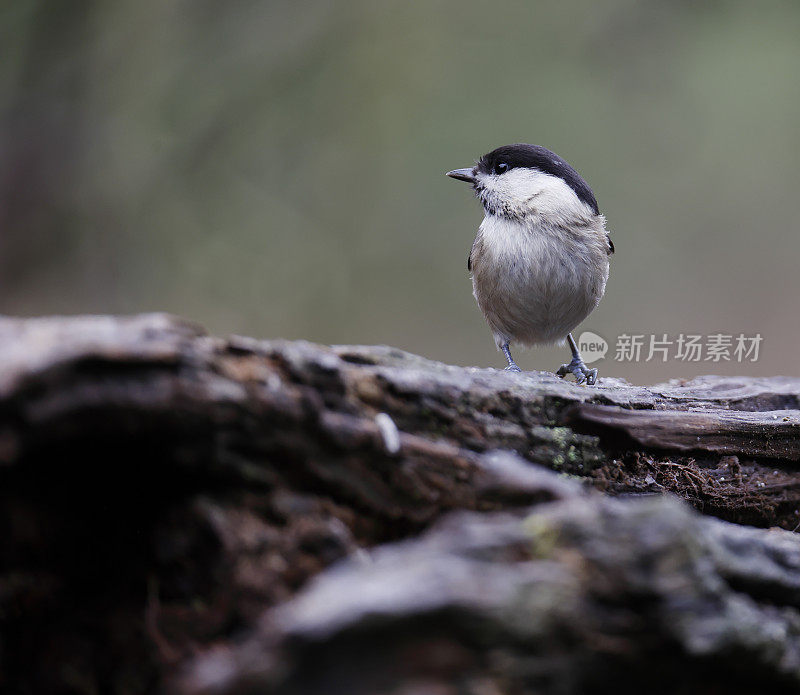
580,371
512,368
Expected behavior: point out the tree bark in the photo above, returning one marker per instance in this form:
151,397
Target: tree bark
173,503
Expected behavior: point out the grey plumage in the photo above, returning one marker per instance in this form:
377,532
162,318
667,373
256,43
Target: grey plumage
536,282
540,260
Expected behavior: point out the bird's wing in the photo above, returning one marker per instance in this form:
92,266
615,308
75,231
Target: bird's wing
472,252
610,243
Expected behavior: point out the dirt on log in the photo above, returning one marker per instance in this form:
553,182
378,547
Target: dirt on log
226,515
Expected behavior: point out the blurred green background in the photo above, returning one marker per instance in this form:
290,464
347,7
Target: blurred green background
277,168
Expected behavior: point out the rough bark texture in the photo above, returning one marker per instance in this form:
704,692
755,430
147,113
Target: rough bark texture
173,504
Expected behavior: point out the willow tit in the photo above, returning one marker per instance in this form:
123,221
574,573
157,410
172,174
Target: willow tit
539,263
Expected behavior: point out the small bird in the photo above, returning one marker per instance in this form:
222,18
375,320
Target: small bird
540,260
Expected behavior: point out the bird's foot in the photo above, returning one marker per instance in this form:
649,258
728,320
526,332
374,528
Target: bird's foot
512,366
580,371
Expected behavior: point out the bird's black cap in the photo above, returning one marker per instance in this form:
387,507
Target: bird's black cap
538,157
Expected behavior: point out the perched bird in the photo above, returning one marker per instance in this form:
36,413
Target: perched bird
540,260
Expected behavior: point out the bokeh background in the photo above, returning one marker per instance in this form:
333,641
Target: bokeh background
276,168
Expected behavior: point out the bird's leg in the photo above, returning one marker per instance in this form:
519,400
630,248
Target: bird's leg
512,366
577,368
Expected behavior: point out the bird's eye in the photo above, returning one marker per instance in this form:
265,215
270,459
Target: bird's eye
500,168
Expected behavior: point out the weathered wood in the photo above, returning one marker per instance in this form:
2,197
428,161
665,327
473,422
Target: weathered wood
162,488
774,434
583,595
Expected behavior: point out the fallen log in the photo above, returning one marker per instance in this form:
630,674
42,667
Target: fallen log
162,488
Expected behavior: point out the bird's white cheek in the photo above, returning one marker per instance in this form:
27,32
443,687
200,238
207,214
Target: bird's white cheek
526,191
514,191
500,193
519,191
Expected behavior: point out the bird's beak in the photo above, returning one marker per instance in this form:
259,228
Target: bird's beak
462,175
